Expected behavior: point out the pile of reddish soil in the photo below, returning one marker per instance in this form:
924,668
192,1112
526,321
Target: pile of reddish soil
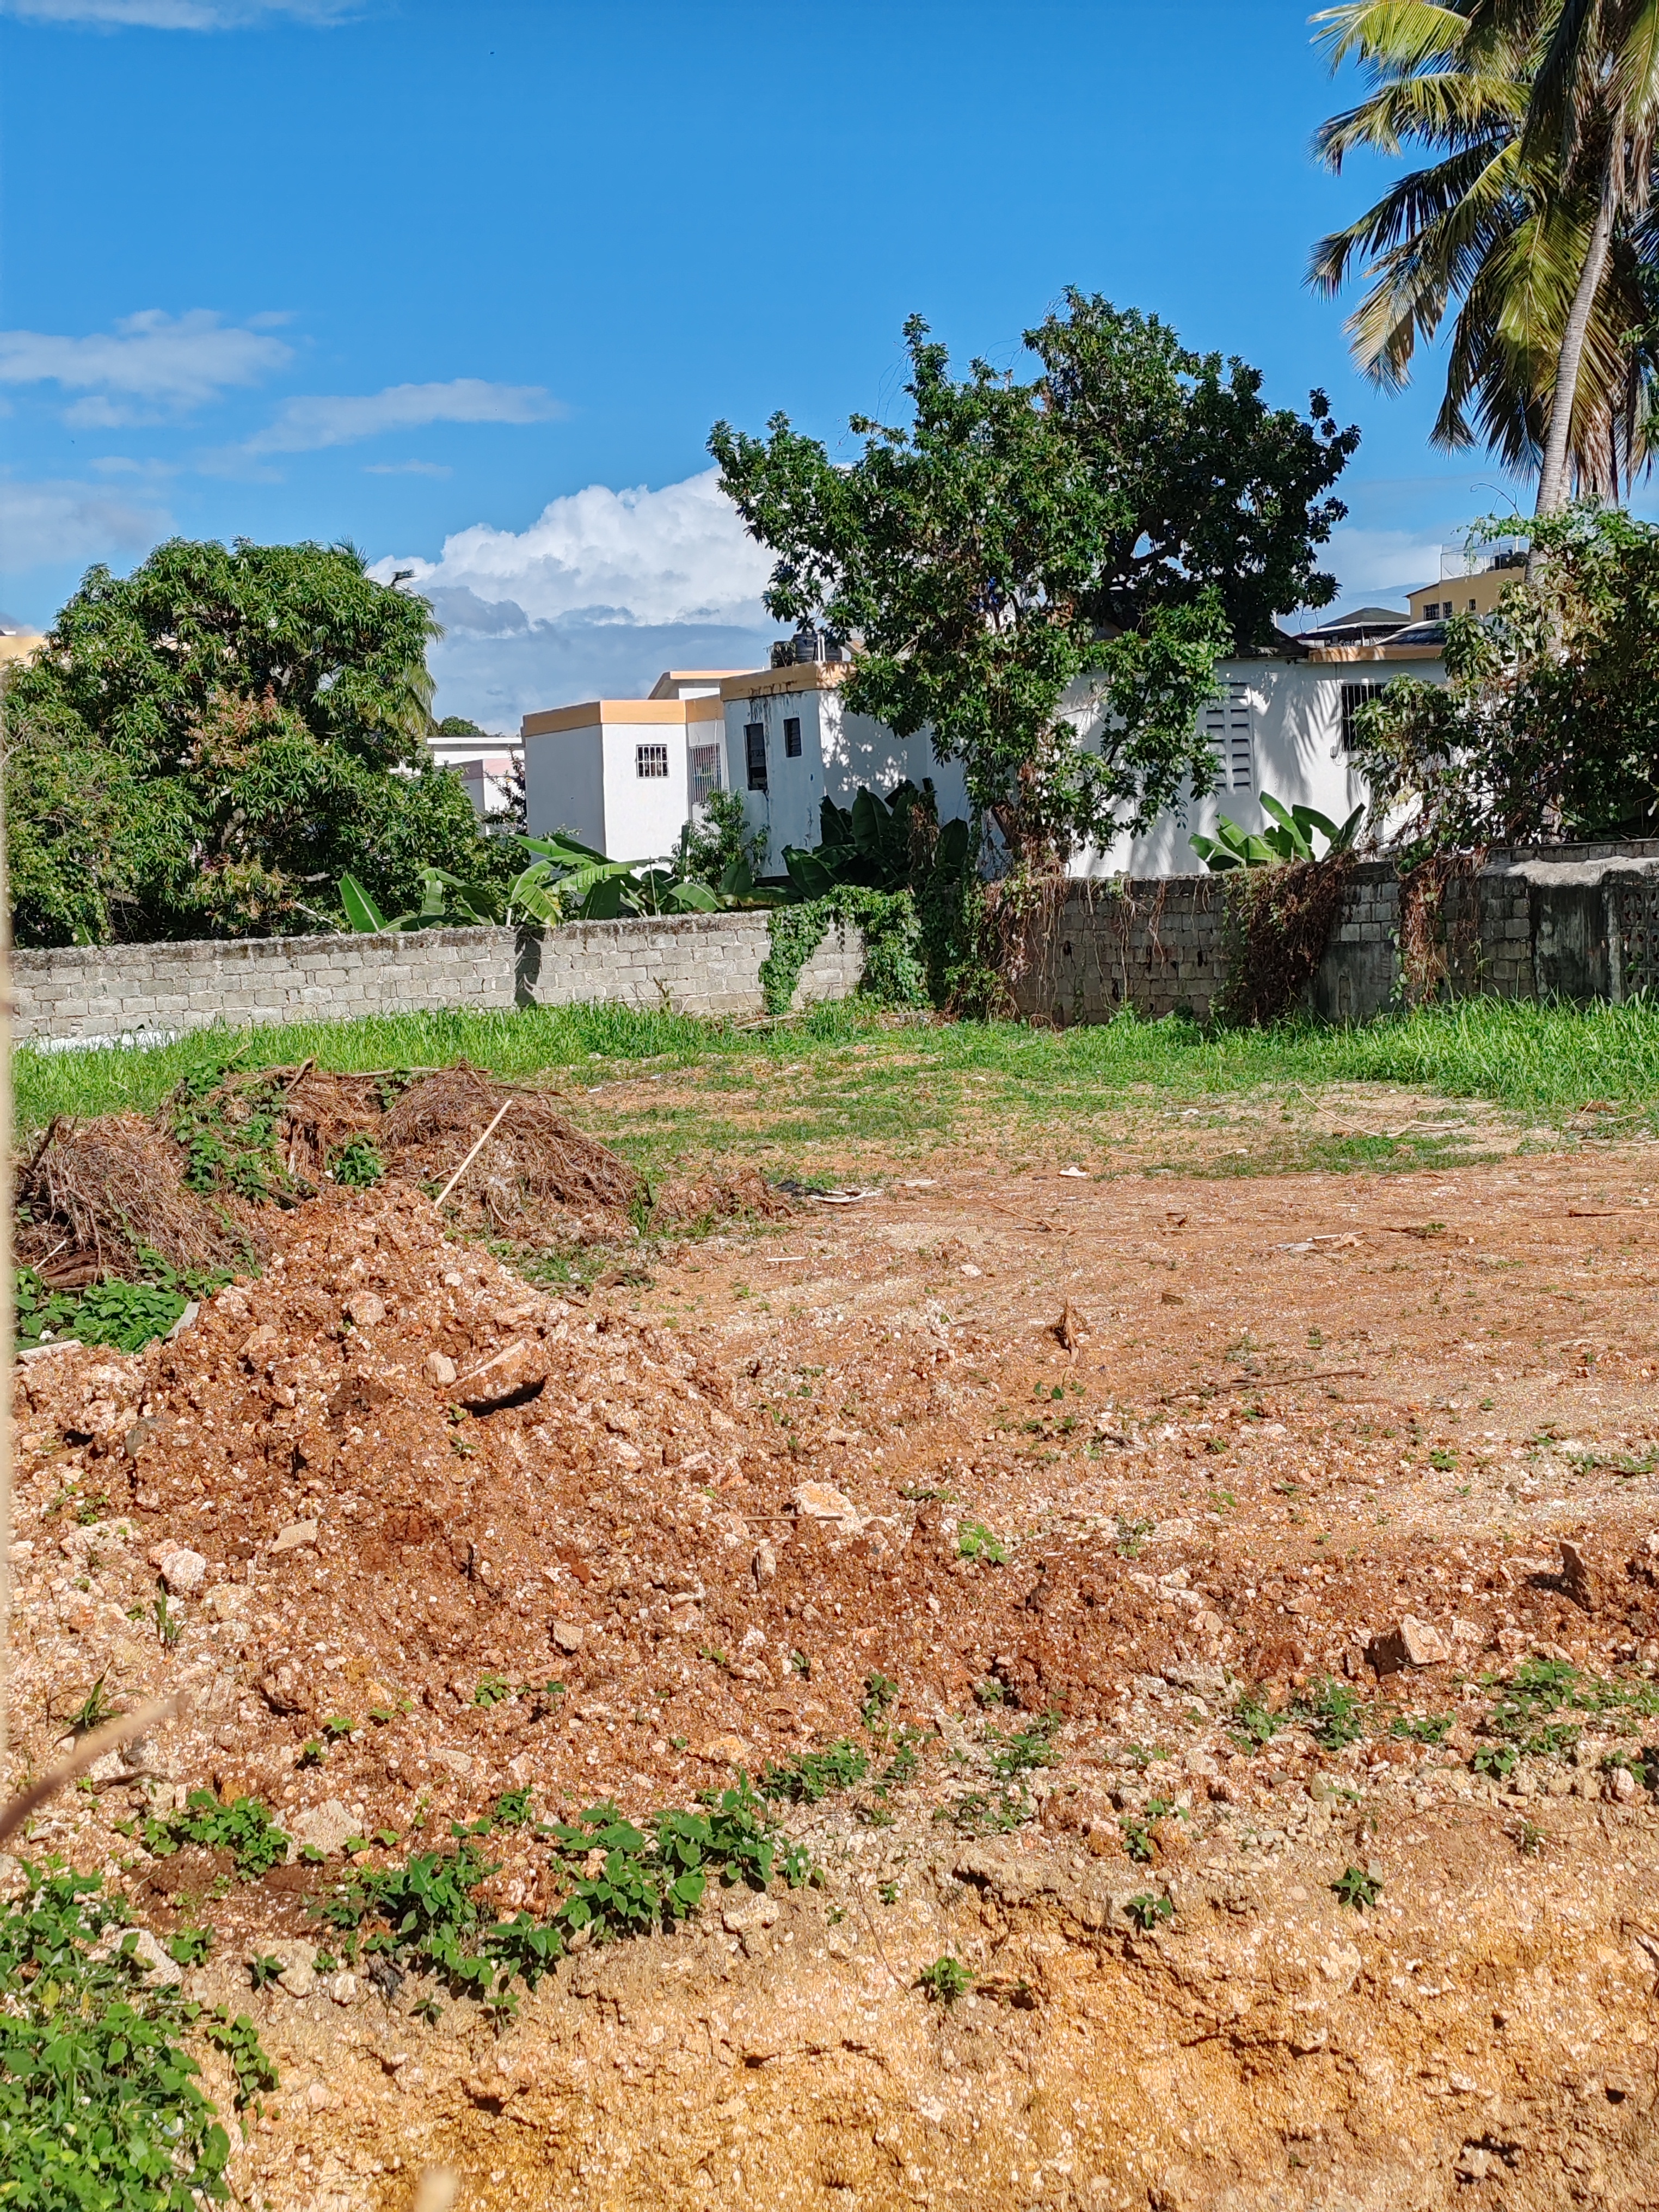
1287,1417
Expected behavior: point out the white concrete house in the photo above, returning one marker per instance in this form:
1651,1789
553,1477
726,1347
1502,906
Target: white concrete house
625,773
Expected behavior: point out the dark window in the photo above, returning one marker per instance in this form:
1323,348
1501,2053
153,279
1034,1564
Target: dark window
791,736
650,760
1354,696
754,739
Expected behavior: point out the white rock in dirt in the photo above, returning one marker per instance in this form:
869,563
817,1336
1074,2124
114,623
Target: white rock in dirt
457,1762
367,1309
324,1827
299,1974
182,1570
440,1368
158,1968
296,1534
1409,1643
567,1635
343,1988
516,1368
751,1909
764,1564
819,1501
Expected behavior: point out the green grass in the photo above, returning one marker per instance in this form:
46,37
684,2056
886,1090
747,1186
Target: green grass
842,1076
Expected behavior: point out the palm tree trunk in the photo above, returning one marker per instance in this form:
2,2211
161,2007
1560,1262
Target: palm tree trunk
1553,477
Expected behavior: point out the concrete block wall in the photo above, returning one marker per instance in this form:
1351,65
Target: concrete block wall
1574,922
686,963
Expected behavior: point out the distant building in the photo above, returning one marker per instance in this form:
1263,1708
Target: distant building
19,644
623,775
485,763
1468,583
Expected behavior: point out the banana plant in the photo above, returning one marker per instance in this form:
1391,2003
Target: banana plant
450,903
1291,839
594,888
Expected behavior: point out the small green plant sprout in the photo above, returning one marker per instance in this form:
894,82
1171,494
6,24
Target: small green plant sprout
263,1969
1429,1728
1146,1911
1140,1831
311,1753
881,1691
1220,1501
491,1690
975,1541
357,1164
542,1698
1254,1722
244,1827
990,1692
1332,1714
801,1665
1496,1761
169,1625
714,1657
189,1947
1442,1461
946,1980
325,1962
1029,1747
93,1710
338,1725
427,2009
888,1891
1354,1887
513,1808
812,1775
251,2068
1131,1535
1529,1840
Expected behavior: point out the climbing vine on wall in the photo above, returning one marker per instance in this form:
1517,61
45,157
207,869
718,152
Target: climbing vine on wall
893,953
1278,921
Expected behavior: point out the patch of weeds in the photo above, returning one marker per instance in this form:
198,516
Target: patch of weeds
990,1692
1140,1830
338,1725
888,1891
1132,1535
311,1753
1354,1887
944,1981
986,1813
715,1658
975,1541
1028,1748
881,1691
542,1698
1146,1911
513,1808
263,1970
244,1827
1254,1722
1431,1728
357,1164
1332,1713
490,1690
902,1769
1443,1462
812,1775
169,1625
1499,1761
93,1710
100,2103
1529,1840
238,2040
189,1947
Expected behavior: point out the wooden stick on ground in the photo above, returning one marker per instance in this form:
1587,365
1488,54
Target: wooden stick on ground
123,1729
473,1155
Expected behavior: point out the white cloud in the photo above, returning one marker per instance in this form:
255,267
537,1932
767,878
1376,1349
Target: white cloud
303,426
176,14
1369,561
47,522
602,591
150,360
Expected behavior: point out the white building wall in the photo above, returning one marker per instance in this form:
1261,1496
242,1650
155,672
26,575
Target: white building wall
643,815
564,784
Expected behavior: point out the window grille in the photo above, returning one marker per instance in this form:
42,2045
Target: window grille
650,760
754,744
1354,696
705,776
1227,731
792,737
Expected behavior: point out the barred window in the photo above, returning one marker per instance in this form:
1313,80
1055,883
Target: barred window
754,742
1354,696
705,763
791,736
650,760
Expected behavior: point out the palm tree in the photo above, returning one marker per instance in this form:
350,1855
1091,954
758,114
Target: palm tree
1510,221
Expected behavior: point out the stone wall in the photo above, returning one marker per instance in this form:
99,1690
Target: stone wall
1569,922
684,963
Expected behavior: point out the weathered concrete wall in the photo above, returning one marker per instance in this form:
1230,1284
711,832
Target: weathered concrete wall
685,964
1569,922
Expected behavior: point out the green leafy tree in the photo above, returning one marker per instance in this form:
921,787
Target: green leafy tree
1548,724
205,747
991,553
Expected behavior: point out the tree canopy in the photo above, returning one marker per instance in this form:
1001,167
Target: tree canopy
1127,516
205,747
1548,724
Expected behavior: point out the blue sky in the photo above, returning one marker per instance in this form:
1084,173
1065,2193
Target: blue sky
467,281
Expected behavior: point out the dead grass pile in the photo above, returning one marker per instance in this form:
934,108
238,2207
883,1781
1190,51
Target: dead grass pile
536,1163
100,1198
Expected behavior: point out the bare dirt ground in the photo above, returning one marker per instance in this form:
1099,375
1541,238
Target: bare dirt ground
1228,1434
